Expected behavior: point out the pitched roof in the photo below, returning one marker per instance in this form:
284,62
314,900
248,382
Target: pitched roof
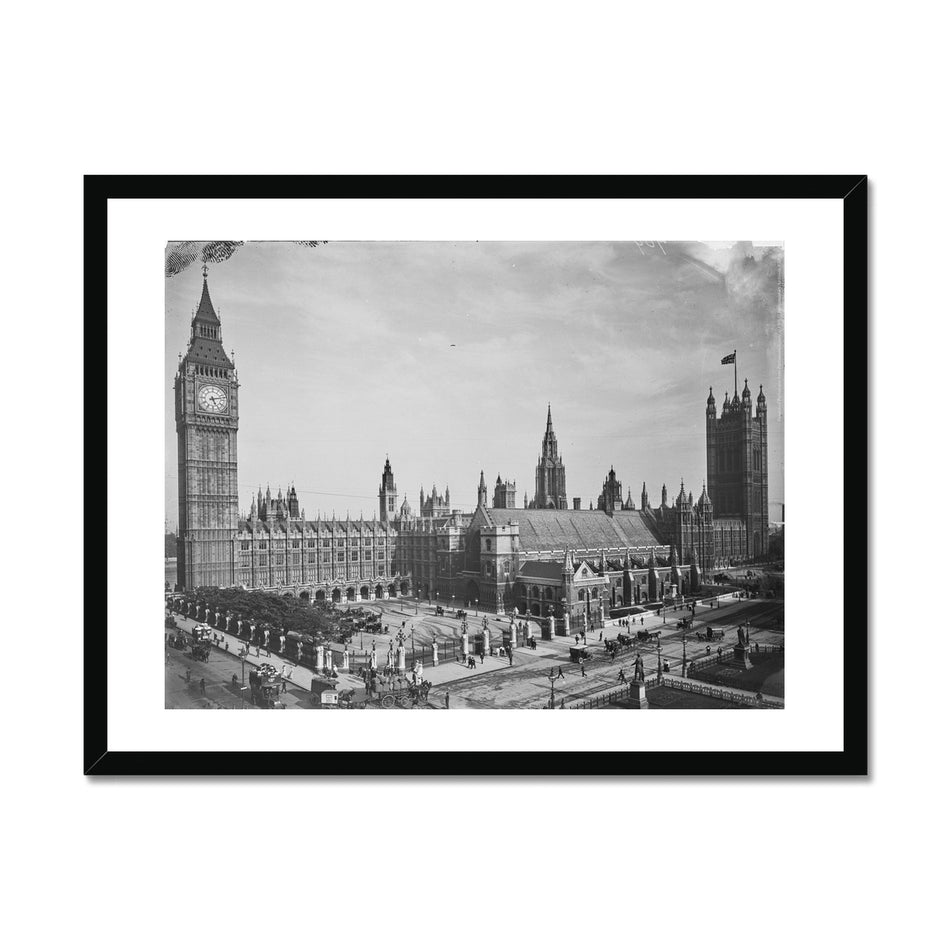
547,570
548,528
205,312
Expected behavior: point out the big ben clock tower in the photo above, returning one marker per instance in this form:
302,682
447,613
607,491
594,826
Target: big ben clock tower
206,417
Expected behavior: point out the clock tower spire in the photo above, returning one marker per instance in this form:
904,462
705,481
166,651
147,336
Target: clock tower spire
206,419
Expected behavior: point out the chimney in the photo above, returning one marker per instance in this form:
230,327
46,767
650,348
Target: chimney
577,504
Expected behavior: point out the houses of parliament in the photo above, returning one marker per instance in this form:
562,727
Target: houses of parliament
545,558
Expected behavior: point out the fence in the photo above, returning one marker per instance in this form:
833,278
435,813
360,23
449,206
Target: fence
719,692
620,694
617,694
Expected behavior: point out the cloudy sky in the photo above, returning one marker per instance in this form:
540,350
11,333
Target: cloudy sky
445,356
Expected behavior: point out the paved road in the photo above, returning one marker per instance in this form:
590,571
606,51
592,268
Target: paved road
220,693
495,684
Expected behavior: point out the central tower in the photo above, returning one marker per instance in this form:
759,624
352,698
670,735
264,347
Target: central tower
550,482
206,419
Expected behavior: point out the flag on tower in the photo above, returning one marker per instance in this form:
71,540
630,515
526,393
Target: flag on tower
731,358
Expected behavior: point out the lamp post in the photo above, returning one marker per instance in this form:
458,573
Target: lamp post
552,676
684,652
476,606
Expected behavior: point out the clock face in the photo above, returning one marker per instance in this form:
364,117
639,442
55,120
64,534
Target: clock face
212,399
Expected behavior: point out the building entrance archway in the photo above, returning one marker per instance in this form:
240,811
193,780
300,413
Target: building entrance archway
471,592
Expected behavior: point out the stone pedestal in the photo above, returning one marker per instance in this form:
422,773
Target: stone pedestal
435,654
346,661
486,642
638,695
740,657
320,657
401,659
551,628
465,643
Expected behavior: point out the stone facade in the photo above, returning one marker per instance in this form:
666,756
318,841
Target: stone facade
542,559
206,420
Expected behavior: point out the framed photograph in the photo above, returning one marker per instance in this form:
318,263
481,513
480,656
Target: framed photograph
512,453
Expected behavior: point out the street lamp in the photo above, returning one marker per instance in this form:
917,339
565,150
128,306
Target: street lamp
476,606
552,676
684,652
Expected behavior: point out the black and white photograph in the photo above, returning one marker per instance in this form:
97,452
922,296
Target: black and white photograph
474,475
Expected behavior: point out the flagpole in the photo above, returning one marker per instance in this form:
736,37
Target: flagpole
735,372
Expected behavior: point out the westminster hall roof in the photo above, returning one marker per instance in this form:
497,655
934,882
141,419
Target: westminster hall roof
544,529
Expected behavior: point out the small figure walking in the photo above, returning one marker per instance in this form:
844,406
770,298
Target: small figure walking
446,700
583,673
621,677
560,674
283,686
201,685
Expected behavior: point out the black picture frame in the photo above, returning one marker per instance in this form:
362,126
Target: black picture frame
852,760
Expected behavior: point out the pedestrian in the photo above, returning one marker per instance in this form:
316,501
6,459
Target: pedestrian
708,649
562,704
257,651
283,686
511,659
167,657
583,673
446,700
621,677
560,674
227,646
234,679
585,639
481,656
600,637
719,652
756,646
577,639
201,685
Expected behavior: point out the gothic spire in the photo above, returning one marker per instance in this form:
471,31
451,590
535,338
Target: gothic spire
205,312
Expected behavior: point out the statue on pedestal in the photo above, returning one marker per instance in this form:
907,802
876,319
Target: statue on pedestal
638,673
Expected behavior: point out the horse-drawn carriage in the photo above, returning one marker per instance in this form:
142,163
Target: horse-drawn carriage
384,695
711,634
